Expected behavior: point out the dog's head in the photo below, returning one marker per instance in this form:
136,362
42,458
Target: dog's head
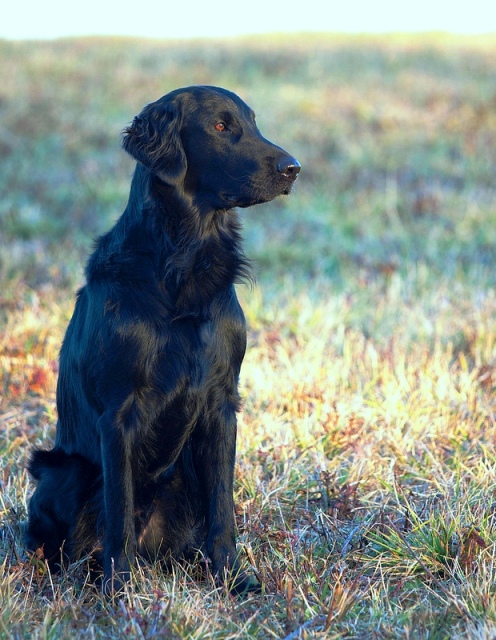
205,141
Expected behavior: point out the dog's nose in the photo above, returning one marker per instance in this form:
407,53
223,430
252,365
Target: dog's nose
289,167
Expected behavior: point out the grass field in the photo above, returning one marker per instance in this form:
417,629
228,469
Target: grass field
366,476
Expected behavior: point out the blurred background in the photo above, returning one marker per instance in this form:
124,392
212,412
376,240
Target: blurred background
395,131
391,112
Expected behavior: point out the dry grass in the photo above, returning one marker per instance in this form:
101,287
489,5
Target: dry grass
365,483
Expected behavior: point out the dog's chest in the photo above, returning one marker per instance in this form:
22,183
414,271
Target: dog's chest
221,345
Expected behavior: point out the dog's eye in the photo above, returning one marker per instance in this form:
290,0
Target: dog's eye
221,126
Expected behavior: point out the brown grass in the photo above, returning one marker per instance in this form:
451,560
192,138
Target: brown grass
365,483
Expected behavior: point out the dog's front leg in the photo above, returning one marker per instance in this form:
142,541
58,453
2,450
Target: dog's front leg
215,467
218,476
118,479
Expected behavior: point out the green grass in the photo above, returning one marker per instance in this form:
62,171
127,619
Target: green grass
365,483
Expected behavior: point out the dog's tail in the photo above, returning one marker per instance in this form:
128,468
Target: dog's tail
65,483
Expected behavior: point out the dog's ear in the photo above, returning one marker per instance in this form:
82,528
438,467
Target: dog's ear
154,140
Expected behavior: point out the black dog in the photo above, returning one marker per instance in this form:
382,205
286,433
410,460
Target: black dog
147,392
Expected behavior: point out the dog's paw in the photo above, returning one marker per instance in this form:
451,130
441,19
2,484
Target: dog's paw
243,584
